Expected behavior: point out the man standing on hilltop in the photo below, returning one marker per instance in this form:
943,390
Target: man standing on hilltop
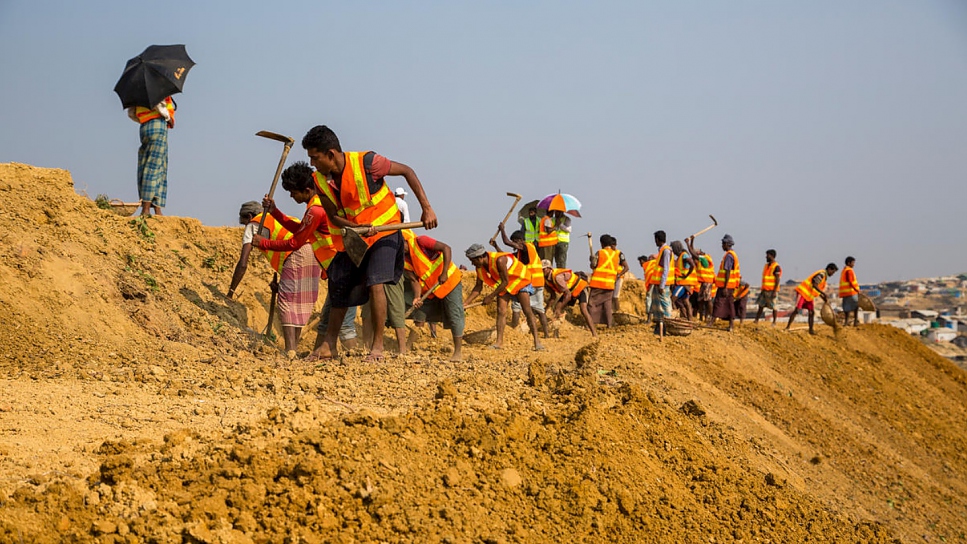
769,292
153,153
849,293
663,278
810,288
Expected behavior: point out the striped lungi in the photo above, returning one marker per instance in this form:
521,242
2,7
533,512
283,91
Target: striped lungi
153,163
299,287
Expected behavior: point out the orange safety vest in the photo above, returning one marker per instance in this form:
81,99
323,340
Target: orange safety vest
147,114
359,206
680,270
806,288
847,283
574,284
769,279
606,271
323,244
429,271
518,276
659,269
322,185
734,276
546,238
534,265
276,232
706,274
646,272
742,291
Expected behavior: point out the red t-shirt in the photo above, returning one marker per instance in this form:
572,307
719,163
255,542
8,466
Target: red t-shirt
314,219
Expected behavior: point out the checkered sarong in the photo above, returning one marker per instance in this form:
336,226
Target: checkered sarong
299,287
153,163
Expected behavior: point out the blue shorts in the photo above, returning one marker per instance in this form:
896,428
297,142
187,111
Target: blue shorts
679,291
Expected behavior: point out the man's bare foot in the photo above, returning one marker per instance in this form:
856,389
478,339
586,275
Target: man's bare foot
374,357
457,357
321,354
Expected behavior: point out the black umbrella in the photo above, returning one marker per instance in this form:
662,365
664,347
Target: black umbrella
158,72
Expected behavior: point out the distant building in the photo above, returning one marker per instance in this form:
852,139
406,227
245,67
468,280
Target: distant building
924,314
912,325
960,342
940,335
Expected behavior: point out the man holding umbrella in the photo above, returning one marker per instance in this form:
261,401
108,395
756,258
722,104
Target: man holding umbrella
145,89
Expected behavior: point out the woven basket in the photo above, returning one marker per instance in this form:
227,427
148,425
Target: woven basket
678,327
479,337
829,317
124,208
866,303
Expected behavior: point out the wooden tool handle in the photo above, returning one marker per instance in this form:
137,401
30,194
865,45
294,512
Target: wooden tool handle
422,298
384,228
275,181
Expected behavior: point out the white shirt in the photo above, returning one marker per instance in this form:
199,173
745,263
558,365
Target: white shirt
249,233
404,209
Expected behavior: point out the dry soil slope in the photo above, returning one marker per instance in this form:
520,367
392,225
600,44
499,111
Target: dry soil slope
759,436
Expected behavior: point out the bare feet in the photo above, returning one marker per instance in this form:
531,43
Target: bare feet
321,354
374,357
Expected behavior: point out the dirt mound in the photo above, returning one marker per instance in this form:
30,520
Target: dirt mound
139,405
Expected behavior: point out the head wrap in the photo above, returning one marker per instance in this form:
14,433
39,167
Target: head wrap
251,208
677,247
546,264
475,251
727,239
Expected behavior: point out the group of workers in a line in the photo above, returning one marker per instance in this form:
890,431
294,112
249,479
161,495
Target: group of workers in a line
348,190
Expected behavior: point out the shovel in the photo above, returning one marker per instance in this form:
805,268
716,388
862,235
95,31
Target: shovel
356,247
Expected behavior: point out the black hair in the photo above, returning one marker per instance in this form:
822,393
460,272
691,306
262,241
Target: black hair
642,258
850,259
660,236
605,240
771,253
833,266
297,177
321,138
517,235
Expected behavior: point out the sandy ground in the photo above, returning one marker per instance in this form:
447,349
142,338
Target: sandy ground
137,405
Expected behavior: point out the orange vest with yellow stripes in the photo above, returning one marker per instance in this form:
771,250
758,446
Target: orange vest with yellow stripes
518,276
806,288
606,271
769,279
534,266
276,232
358,205
147,114
847,283
680,271
574,284
734,276
429,271
546,238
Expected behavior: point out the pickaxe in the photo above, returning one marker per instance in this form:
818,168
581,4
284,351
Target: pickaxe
708,228
517,198
278,172
590,246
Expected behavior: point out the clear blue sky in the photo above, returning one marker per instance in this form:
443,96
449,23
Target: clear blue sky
819,128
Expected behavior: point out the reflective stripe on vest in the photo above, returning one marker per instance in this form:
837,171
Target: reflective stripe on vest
648,273
147,114
670,280
534,266
530,229
563,236
742,291
546,238
322,185
429,271
769,276
606,271
806,288
323,244
706,274
359,205
847,283
734,276
574,284
276,232
680,270
518,275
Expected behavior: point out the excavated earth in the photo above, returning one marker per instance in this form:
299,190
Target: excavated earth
137,404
